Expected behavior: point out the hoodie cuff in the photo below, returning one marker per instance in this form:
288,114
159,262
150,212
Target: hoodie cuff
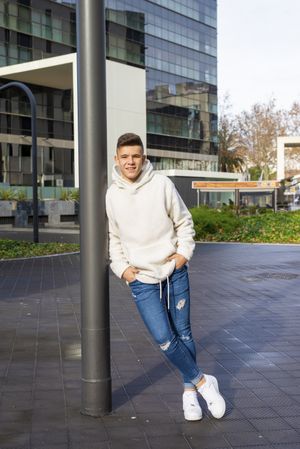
185,252
119,267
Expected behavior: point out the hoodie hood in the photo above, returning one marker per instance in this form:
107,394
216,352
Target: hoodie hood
145,176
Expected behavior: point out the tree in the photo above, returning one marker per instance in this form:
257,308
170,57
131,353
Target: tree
257,132
292,153
230,160
292,119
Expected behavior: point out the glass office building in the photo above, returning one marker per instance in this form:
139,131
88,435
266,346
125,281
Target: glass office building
179,54
32,30
174,40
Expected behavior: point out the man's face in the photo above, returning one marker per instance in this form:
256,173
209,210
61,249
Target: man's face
130,160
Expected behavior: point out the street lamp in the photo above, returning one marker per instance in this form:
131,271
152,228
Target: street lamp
95,332
32,101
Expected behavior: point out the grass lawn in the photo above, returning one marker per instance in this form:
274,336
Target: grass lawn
10,249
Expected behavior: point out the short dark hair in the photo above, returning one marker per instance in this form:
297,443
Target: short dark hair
130,140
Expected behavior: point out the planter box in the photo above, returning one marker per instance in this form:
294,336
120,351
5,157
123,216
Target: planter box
52,213
8,212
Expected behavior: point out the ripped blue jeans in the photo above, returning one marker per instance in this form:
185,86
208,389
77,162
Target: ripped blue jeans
170,328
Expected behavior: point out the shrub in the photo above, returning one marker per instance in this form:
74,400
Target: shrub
10,195
265,226
69,195
270,227
21,195
75,195
213,224
7,194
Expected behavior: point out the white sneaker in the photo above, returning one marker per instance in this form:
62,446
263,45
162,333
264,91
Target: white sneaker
210,392
191,408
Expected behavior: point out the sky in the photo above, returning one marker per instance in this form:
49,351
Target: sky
259,52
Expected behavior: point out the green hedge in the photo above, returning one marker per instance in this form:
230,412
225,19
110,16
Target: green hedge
227,226
212,224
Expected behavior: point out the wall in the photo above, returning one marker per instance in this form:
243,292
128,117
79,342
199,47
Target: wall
126,105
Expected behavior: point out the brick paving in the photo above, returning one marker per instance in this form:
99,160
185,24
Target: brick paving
246,324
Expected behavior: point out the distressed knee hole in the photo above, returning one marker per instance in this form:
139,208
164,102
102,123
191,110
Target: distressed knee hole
165,346
180,304
185,337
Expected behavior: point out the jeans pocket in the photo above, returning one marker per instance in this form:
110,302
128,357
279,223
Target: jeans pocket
132,282
177,270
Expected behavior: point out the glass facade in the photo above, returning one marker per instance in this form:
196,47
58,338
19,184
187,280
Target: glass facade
35,29
178,50
125,37
31,30
165,163
54,121
174,40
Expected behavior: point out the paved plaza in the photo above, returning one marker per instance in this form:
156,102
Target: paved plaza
246,324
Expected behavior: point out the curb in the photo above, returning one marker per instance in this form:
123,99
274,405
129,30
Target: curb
40,257
247,243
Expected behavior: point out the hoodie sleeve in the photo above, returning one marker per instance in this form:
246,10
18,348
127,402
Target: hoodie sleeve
119,262
183,224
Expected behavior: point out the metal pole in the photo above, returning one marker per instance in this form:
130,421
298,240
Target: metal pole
96,377
237,198
35,203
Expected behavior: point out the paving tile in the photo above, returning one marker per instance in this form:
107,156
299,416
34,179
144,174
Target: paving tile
253,401
280,401
41,445
174,442
89,445
282,436
207,442
89,434
246,333
262,424
286,446
246,438
132,443
11,401
49,439
254,447
262,412
233,414
227,426
15,441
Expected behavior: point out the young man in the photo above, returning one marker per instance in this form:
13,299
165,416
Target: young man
151,240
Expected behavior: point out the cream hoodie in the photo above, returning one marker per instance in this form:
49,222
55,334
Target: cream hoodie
148,222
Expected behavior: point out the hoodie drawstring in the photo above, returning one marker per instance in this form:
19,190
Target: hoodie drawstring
168,292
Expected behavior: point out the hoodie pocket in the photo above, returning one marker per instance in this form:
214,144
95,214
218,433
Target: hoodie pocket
146,257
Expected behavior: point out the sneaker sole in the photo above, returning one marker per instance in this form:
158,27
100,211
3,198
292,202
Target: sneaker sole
192,418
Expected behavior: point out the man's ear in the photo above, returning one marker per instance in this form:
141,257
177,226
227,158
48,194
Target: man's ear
116,159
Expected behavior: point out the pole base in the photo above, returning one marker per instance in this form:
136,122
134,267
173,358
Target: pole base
96,398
